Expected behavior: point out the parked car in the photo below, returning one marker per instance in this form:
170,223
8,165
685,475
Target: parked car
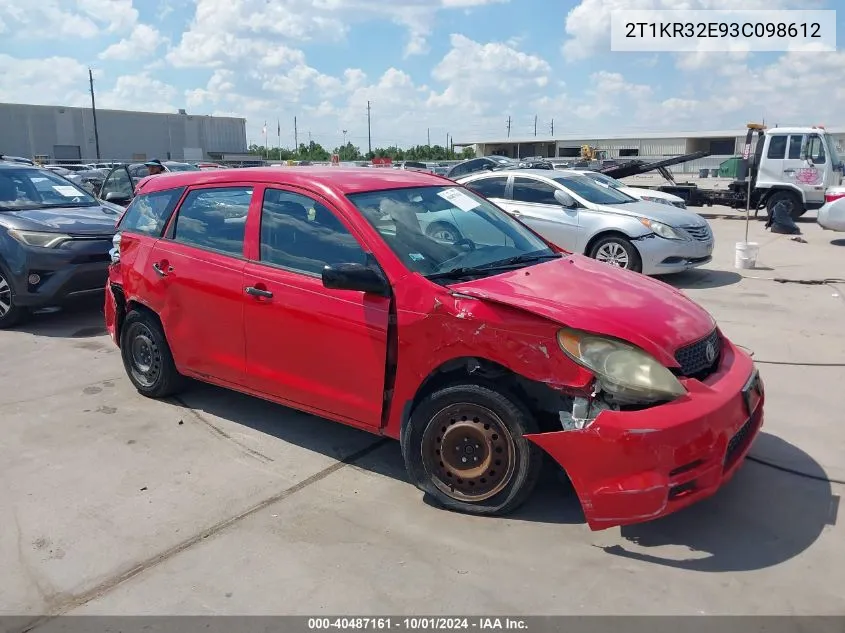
582,216
119,185
16,159
316,288
473,165
640,193
54,241
832,215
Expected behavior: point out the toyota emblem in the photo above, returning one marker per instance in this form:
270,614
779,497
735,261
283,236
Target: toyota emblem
710,352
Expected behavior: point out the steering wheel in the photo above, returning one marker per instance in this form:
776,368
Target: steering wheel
465,241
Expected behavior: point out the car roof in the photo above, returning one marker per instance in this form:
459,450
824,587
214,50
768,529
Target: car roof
340,180
545,173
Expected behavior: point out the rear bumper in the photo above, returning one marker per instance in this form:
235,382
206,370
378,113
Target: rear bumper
630,467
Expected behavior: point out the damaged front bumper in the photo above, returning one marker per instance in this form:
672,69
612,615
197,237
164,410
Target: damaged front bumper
633,466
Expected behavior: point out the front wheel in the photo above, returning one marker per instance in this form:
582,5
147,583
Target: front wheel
10,313
465,446
617,251
793,204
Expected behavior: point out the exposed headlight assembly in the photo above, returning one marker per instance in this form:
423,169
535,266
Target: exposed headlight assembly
624,371
34,238
663,230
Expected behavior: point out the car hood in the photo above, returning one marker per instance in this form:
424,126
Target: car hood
673,216
585,294
654,193
96,220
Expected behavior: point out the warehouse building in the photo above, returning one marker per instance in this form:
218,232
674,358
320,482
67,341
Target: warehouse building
65,134
721,145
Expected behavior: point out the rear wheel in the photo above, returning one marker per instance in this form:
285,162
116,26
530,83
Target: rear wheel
617,251
465,446
147,358
792,201
10,313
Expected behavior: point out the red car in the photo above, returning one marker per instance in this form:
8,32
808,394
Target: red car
327,290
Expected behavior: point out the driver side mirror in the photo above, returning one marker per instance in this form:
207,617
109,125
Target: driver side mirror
355,277
117,198
565,199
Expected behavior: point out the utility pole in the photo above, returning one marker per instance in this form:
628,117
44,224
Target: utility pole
309,138
295,137
553,127
535,125
94,112
369,131
509,126
344,138
428,135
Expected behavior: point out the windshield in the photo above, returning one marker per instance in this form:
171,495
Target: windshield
604,180
831,149
592,191
438,229
39,188
182,167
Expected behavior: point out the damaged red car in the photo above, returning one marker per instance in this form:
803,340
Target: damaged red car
400,303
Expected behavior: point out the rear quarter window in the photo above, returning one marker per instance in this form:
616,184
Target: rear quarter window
149,213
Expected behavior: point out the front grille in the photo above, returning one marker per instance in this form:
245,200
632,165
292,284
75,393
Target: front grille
738,442
701,233
700,359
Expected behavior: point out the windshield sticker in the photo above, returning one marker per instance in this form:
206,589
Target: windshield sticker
66,191
416,257
459,199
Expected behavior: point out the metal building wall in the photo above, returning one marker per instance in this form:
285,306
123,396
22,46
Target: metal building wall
27,130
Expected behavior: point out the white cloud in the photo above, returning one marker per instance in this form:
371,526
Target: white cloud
51,19
143,42
50,81
140,92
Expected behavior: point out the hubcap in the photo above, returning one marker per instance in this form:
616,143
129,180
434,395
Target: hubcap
469,452
614,254
144,355
5,297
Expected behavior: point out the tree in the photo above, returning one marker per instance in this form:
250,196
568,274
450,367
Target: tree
348,152
467,153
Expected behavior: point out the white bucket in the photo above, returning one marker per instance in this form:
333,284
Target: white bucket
746,254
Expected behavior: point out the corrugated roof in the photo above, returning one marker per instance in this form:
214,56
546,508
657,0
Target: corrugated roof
103,110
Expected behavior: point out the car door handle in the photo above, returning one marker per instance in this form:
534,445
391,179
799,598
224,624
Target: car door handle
258,292
160,272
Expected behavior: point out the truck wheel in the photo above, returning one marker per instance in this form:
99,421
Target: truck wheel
796,207
617,251
465,447
147,358
10,314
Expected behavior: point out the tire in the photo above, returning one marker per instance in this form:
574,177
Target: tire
617,251
484,426
10,314
147,357
796,206
443,231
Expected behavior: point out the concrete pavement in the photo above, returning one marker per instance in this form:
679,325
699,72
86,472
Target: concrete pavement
218,503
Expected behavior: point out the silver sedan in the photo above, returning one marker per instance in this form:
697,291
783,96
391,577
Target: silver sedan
583,216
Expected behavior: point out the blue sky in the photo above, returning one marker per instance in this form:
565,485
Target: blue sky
458,67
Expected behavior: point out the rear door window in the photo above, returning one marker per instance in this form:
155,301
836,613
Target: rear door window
534,191
795,143
489,187
214,219
777,147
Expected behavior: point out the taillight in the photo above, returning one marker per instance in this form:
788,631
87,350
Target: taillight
830,196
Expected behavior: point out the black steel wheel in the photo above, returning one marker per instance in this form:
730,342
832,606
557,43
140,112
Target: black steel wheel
792,201
10,313
464,445
146,356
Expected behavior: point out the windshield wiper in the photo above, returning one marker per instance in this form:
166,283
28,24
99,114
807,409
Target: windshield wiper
505,264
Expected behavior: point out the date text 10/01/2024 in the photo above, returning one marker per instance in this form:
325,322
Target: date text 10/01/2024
417,624
804,30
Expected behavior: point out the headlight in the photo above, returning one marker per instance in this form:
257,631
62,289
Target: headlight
663,230
623,370
657,200
44,240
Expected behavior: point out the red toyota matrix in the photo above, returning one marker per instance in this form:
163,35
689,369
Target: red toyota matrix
403,304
